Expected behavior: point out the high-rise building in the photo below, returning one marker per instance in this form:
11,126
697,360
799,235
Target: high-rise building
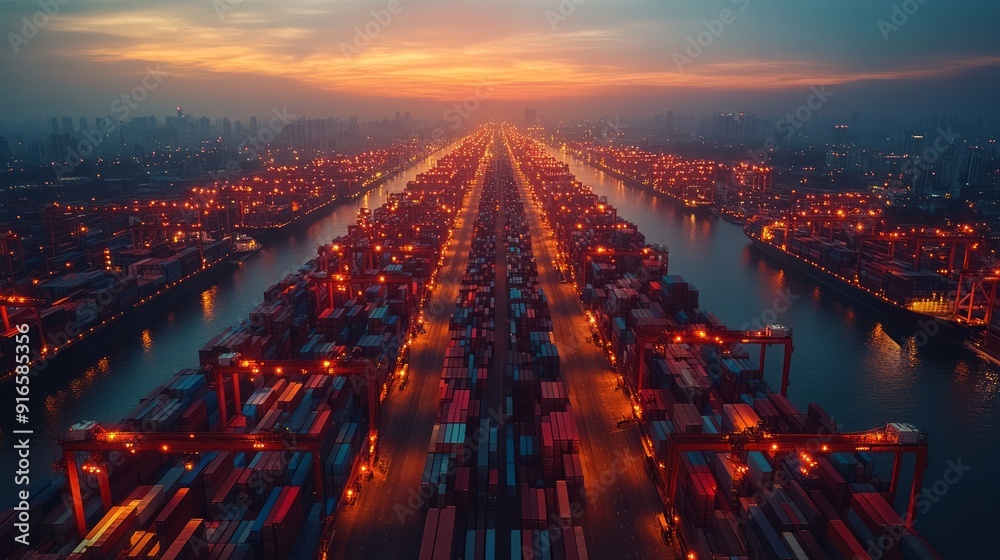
204,128
724,125
973,169
915,145
83,123
54,124
841,136
67,125
530,117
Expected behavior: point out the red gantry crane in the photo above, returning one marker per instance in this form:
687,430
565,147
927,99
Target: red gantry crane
874,441
100,442
20,301
366,373
719,336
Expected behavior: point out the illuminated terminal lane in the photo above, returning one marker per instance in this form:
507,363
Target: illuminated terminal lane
621,502
387,518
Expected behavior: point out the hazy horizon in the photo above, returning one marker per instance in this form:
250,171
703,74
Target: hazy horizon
564,58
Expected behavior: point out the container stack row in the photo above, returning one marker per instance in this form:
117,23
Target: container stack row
752,504
302,366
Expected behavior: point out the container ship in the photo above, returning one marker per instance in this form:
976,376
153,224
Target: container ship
70,309
928,277
269,448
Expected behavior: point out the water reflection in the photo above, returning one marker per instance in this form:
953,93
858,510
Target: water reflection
987,384
56,402
147,340
208,302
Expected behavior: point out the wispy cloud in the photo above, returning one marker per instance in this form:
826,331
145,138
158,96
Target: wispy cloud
439,49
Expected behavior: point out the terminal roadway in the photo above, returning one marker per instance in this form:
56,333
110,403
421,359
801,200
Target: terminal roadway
621,502
508,509
387,520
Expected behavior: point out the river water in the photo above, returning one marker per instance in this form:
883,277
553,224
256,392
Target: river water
863,369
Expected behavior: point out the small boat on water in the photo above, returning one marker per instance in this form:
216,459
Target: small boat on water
244,247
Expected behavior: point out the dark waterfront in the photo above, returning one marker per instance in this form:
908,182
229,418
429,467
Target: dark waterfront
864,370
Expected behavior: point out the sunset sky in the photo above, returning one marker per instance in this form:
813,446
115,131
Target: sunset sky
238,57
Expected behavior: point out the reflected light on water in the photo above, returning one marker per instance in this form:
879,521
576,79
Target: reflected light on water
912,351
692,228
76,389
885,355
208,302
147,340
988,382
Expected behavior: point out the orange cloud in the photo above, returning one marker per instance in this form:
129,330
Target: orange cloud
523,65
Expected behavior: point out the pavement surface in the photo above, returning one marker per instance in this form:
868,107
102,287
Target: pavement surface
621,502
387,520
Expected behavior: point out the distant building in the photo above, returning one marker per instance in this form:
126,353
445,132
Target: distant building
841,136
530,117
973,169
738,126
723,125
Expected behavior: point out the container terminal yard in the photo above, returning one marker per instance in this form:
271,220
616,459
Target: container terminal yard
846,240
698,184
430,386
98,264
